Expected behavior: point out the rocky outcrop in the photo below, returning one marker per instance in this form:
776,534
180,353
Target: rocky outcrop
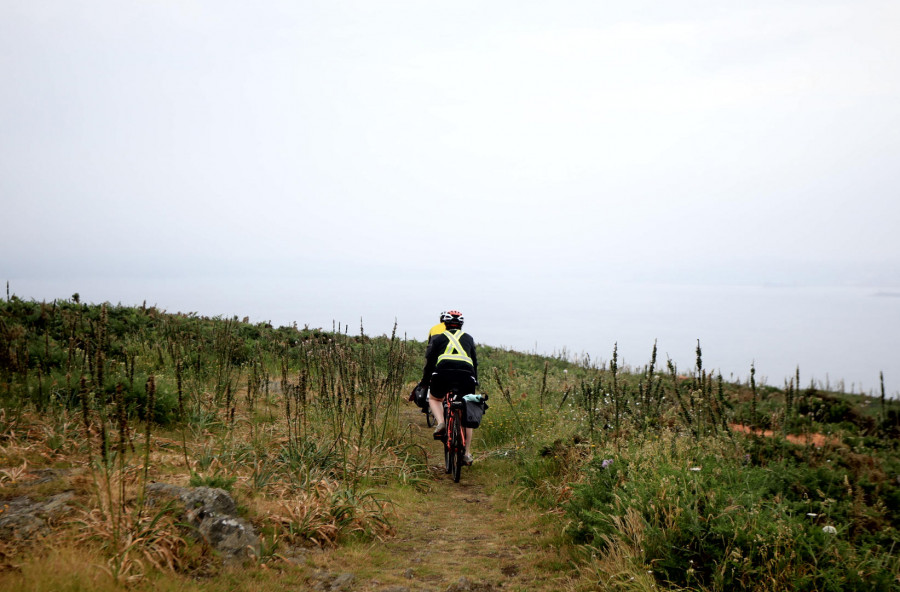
213,513
22,518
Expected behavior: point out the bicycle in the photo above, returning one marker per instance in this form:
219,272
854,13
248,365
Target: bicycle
454,437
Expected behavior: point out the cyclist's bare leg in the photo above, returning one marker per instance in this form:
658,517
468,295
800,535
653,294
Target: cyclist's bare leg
437,409
469,432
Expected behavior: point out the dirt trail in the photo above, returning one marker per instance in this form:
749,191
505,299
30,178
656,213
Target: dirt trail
456,530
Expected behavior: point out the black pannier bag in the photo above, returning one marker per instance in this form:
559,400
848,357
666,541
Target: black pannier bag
473,411
420,396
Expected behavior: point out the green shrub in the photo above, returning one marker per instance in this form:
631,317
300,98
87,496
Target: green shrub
215,480
713,521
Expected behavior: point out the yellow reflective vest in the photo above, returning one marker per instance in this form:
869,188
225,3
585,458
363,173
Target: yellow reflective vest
454,350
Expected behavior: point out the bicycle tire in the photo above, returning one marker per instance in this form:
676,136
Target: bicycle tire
445,440
457,450
448,464
449,457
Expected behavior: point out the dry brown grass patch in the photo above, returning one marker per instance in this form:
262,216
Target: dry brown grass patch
134,540
817,440
326,512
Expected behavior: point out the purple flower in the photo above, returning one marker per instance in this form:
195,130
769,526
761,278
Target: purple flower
606,463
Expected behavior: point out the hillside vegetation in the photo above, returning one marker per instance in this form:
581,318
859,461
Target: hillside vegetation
646,478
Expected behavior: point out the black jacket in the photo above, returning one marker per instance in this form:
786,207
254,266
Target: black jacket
437,346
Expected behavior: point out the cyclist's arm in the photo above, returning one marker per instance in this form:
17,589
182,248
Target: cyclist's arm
431,355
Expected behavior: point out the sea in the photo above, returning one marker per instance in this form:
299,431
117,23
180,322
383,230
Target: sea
838,338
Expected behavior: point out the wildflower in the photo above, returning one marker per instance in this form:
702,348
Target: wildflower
829,529
811,514
695,469
606,463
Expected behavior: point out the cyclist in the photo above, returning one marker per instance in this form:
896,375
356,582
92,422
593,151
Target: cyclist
437,329
450,361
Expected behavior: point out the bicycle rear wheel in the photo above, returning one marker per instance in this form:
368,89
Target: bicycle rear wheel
449,457
457,449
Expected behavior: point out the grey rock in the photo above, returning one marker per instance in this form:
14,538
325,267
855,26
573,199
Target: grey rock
212,499
23,518
18,522
234,538
332,582
213,513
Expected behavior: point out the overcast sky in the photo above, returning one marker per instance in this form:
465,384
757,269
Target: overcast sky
692,142
177,136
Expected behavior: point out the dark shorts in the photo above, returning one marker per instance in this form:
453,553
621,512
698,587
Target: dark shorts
443,380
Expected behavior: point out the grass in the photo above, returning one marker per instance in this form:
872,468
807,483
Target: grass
584,476
72,569
662,491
